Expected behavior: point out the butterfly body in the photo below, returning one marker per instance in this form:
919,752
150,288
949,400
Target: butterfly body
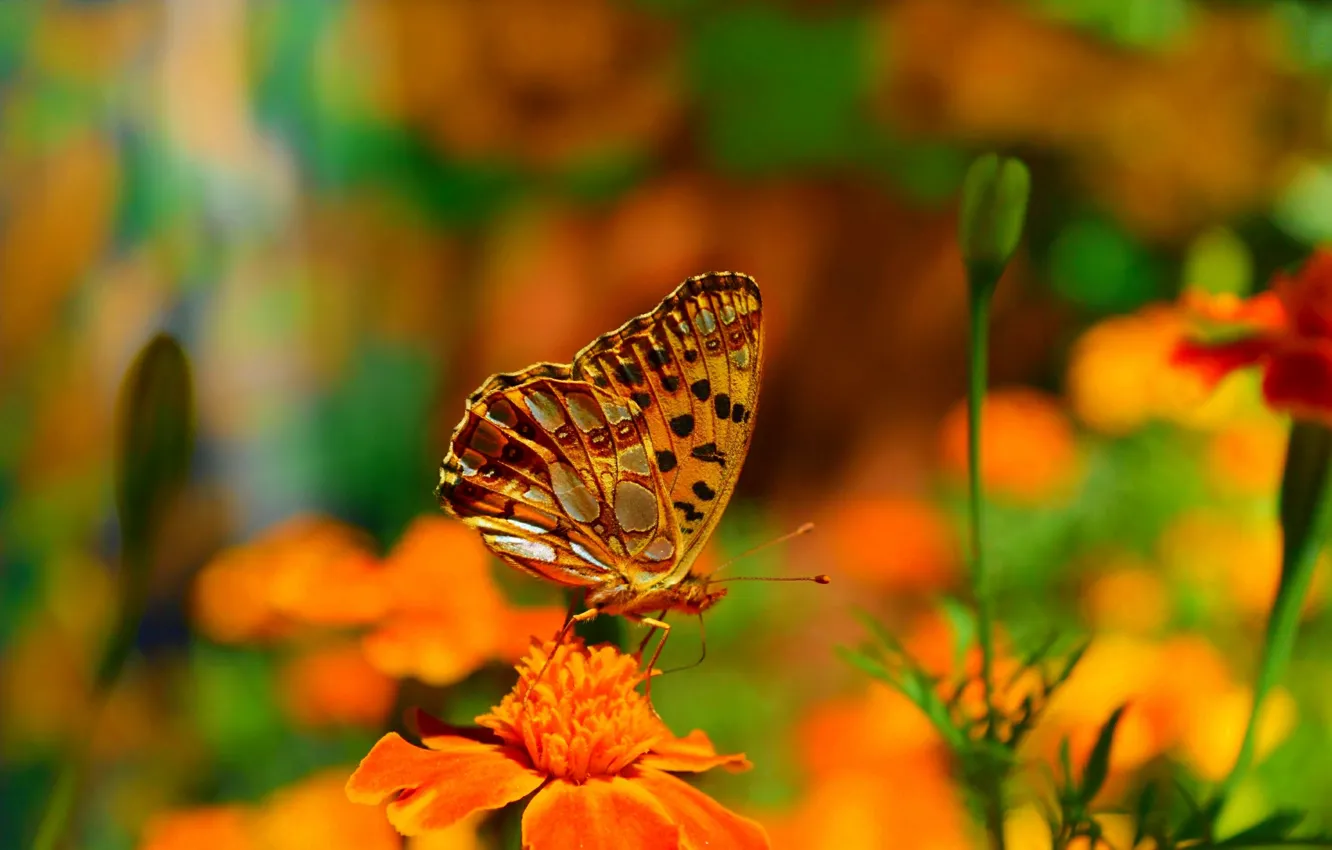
610,473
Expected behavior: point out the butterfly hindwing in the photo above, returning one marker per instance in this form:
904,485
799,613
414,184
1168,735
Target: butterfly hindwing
556,475
692,366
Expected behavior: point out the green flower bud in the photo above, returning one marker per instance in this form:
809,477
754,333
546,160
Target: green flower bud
994,207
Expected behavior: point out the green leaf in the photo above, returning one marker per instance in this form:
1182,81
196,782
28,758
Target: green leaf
1098,763
1142,812
1274,827
962,620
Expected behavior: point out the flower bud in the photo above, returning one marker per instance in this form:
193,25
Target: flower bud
994,206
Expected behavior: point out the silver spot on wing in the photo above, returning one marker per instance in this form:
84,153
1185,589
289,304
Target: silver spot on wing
572,494
545,409
521,547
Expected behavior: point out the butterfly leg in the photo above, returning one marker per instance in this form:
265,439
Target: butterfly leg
651,631
665,633
583,617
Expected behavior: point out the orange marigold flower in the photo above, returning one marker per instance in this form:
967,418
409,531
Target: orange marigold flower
577,732
445,614
1287,332
1028,449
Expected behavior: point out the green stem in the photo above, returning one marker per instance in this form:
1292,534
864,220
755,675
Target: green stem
1303,519
983,280
976,383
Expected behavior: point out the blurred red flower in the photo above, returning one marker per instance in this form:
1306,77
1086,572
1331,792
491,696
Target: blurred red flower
1287,331
577,732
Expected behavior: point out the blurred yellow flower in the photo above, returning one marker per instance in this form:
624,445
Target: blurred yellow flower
1029,452
1126,594
68,198
1233,561
1120,377
1172,689
1246,458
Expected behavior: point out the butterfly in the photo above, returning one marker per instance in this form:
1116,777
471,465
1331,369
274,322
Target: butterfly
609,474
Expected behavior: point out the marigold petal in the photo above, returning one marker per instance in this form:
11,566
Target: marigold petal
693,753
600,814
702,820
1212,362
1299,379
437,787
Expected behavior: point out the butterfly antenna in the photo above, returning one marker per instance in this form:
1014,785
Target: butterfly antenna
790,535
703,639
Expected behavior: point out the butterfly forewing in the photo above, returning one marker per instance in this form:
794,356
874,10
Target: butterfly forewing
692,366
557,476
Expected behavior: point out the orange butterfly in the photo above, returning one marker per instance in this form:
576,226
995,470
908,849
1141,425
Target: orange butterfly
611,473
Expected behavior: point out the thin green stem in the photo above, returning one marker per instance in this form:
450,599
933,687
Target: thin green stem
1303,510
982,283
977,379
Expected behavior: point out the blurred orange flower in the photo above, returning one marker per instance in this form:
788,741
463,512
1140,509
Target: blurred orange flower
879,777
307,570
1127,595
335,685
203,828
922,555
1028,449
445,616
314,812
432,607
576,731
1287,332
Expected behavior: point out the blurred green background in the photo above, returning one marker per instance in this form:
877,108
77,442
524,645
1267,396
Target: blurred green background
350,212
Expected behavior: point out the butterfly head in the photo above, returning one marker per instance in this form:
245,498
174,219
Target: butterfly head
698,594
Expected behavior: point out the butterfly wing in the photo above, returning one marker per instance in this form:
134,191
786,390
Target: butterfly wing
692,366
557,476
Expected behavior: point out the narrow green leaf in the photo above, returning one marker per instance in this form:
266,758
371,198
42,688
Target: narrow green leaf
1274,827
962,620
1098,762
155,439
865,664
1143,812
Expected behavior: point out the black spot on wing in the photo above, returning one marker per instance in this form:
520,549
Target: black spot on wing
627,372
708,454
642,400
683,425
702,389
722,405
704,492
738,413
670,383
666,460
687,508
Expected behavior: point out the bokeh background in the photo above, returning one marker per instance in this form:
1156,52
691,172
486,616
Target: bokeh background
351,212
